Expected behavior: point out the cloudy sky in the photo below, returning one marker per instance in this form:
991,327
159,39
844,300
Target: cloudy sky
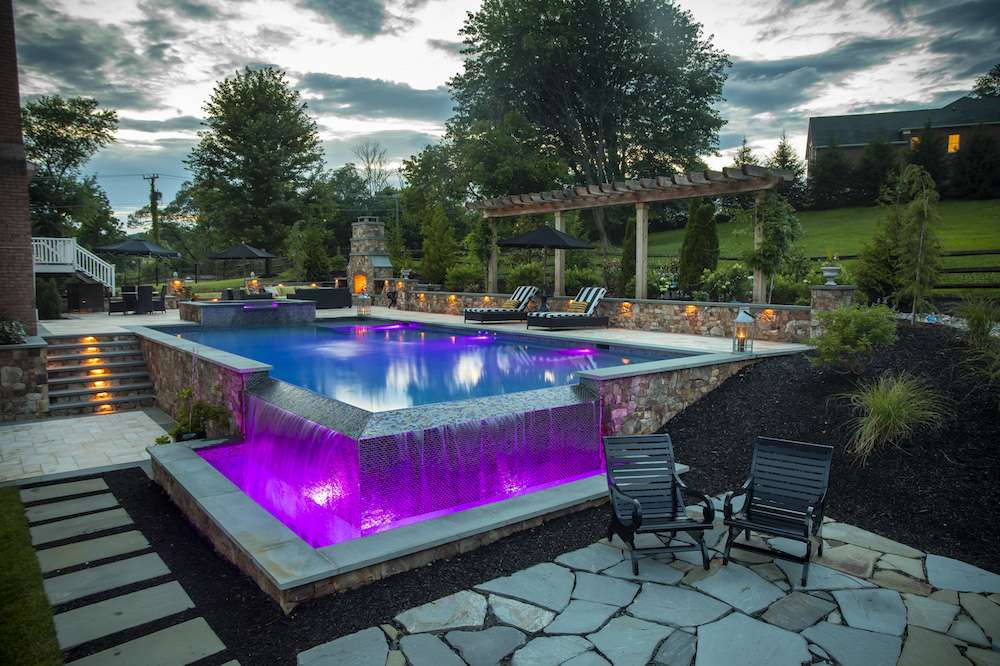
378,68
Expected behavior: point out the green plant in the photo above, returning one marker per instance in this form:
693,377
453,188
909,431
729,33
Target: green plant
980,314
464,277
162,439
788,291
12,332
700,249
851,335
889,411
730,283
47,299
920,251
524,274
578,277
194,416
338,263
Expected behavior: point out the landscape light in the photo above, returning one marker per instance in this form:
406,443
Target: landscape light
743,332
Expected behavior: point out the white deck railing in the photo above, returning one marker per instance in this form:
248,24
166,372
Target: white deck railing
67,255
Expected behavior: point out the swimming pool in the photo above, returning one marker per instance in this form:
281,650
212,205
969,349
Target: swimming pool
392,365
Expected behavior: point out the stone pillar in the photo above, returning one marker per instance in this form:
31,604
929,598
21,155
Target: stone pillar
641,243
824,298
17,273
491,268
560,286
759,278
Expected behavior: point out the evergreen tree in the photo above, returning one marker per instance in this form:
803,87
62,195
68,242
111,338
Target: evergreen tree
700,247
919,249
439,245
784,157
744,156
929,154
876,270
307,250
977,167
877,162
829,175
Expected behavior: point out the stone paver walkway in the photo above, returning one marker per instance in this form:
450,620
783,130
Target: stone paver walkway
869,601
74,443
114,600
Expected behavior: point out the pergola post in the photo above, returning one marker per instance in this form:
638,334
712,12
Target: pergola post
560,282
760,279
641,242
491,267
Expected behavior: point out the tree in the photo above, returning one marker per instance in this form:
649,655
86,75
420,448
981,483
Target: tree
829,175
781,229
700,247
97,223
878,161
929,154
60,136
372,159
919,249
618,88
439,245
258,156
988,85
744,155
307,250
878,263
784,157
976,173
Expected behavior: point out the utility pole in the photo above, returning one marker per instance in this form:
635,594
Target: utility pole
154,212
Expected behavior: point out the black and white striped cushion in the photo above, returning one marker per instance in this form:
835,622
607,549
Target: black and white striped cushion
590,295
522,295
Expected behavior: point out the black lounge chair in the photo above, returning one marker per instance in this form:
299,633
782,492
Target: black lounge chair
522,295
784,495
647,496
160,302
588,318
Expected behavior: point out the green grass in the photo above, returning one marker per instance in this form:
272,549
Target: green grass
965,225
27,635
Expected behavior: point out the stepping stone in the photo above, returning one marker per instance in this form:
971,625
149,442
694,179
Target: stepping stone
741,588
901,583
926,648
70,507
523,616
908,565
581,617
593,558
865,539
677,650
676,606
955,575
587,659
547,585
820,577
947,596
738,639
604,589
797,611
768,571
182,643
487,647
789,546
364,648
650,571
929,613
855,647
981,657
873,610
965,629
628,641
746,556
85,582
456,611
87,623
395,658
80,552
428,650
985,613
79,526
550,651
62,490
851,559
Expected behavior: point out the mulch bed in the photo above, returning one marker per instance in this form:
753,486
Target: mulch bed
938,493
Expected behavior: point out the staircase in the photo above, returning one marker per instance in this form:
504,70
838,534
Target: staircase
65,256
97,374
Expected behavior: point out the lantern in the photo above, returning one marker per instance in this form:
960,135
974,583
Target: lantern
743,331
364,304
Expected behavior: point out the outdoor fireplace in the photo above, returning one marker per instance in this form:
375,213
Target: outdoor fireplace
368,266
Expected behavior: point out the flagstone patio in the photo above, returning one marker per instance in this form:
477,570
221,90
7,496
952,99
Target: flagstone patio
869,602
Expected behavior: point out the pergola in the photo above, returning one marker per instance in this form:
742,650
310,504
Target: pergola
639,193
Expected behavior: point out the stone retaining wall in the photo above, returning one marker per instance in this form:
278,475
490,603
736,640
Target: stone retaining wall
24,388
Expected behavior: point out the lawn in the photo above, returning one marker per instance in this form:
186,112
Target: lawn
27,635
965,225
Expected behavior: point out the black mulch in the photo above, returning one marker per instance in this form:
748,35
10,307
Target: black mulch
938,493
253,627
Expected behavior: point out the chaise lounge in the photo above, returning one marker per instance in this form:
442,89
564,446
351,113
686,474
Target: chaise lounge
516,309
582,312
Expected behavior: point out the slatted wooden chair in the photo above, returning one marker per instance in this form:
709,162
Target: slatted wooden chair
648,497
785,496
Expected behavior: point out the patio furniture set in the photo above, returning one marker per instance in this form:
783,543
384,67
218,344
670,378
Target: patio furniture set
582,312
138,299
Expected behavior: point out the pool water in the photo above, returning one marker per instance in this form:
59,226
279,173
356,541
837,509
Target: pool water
386,366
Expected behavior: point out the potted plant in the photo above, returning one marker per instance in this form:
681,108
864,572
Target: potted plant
194,417
830,270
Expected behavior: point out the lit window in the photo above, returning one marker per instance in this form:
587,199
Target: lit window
914,142
953,143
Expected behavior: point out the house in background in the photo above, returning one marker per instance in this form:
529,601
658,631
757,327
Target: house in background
954,124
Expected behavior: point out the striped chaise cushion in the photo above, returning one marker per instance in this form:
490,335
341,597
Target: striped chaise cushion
590,295
522,295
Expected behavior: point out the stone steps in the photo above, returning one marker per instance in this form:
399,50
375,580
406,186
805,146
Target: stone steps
136,401
57,362
80,347
110,379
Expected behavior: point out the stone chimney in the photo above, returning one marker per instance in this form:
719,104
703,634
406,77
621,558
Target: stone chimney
368,267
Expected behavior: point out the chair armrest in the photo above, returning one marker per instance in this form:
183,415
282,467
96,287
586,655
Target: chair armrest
727,506
708,514
636,505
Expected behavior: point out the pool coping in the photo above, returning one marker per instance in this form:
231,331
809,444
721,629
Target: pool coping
291,571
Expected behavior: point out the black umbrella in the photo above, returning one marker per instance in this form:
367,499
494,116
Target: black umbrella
138,247
244,253
546,238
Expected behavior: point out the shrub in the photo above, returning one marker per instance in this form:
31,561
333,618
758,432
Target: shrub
12,332
850,336
788,291
578,277
338,263
47,299
980,314
195,416
700,247
730,283
464,277
889,411
524,274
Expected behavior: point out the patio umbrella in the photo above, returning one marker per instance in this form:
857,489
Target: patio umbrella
546,238
138,247
244,253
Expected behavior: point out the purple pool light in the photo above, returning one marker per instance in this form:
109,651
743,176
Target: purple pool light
271,305
578,351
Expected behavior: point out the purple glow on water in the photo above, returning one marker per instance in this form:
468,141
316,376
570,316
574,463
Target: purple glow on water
329,488
578,351
269,306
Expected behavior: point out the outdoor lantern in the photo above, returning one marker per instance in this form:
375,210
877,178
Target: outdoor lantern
364,304
743,331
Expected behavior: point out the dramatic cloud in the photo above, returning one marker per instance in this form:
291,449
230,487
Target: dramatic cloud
366,18
448,46
397,143
180,123
361,97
